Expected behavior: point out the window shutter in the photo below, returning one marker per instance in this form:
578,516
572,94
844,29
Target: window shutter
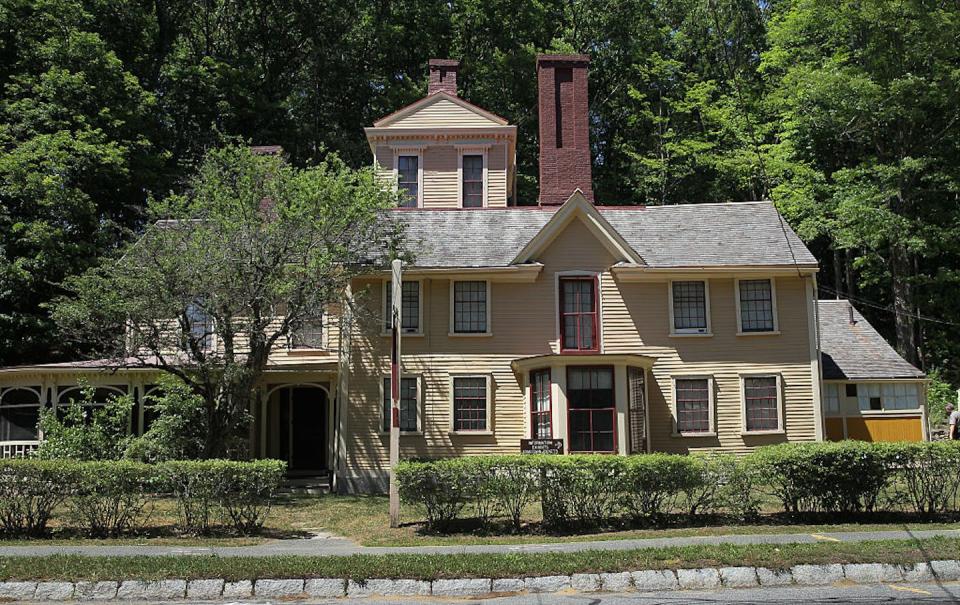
637,410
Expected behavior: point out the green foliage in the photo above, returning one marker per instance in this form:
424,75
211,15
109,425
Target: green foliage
179,429
111,498
928,475
238,491
939,394
443,487
653,483
86,429
30,490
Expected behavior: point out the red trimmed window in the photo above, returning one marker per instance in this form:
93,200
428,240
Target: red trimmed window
578,314
541,425
592,410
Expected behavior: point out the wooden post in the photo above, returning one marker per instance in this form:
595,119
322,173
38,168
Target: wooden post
396,285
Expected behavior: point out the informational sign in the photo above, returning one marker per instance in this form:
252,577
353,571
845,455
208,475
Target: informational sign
541,446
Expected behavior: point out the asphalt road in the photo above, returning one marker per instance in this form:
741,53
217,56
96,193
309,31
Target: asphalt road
899,594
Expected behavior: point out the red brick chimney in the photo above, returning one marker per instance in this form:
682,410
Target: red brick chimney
565,163
443,76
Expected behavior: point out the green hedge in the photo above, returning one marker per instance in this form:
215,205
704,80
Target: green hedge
801,479
111,498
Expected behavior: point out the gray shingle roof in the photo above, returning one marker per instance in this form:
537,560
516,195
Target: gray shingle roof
856,351
690,235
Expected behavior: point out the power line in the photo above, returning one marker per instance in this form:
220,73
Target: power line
887,308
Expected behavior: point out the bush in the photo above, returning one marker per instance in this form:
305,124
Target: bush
30,490
927,475
654,482
180,427
111,496
86,429
580,488
248,488
843,477
443,487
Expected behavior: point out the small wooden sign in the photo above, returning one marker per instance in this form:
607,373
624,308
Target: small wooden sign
541,446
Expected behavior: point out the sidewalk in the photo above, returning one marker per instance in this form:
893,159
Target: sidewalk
330,546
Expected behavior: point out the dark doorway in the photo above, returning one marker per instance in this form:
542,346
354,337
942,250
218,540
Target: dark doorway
303,428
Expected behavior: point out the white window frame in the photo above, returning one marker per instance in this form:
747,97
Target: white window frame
884,411
324,342
711,394
773,306
743,403
453,323
40,406
386,283
408,151
483,151
687,332
420,400
489,382
557,277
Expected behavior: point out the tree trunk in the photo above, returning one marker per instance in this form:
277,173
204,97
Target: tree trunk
901,272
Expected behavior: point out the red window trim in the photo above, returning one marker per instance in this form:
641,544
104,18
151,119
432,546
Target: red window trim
613,410
549,411
595,314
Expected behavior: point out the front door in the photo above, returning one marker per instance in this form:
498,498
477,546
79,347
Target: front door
303,428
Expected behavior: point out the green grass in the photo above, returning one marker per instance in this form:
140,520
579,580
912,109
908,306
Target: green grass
429,567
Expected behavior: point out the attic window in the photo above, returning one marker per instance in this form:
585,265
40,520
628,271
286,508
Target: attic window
408,180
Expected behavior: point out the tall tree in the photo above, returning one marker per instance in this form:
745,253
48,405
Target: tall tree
257,250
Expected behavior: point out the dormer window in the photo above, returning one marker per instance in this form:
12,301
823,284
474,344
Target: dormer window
408,180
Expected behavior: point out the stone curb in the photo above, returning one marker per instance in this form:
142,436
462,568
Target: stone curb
635,581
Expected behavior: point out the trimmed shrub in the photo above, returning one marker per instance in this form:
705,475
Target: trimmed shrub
30,490
581,488
653,483
843,477
443,487
248,489
112,496
927,475
513,483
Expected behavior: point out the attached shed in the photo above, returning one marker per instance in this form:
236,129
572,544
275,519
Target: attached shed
869,392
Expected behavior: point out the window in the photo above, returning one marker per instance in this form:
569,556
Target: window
578,314
637,410
832,395
471,183
470,307
688,303
851,389
200,326
408,404
409,307
307,335
756,305
761,400
19,413
408,180
591,409
692,398
99,397
541,420
888,396
470,405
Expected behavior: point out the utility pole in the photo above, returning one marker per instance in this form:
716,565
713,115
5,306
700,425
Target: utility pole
396,285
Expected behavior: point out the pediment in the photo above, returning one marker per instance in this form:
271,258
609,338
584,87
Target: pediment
440,110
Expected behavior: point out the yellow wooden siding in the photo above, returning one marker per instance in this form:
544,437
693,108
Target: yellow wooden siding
384,165
497,176
442,112
885,429
440,177
636,320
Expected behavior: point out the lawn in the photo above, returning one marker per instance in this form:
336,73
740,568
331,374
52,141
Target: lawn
365,520
429,567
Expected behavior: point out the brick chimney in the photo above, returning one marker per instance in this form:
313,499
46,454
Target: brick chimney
443,76
565,163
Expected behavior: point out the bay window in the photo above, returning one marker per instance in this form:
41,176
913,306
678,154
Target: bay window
541,412
591,409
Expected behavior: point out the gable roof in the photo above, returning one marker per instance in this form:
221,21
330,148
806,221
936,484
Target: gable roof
691,235
576,207
856,351
465,114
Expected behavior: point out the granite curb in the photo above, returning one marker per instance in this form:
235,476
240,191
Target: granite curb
654,580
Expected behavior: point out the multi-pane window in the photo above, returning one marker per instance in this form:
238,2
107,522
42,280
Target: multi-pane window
689,307
409,307
408,180
762,402
200,326
756,305
470,307
636,410
578,314
19,413
591,409
307,335
887,396
472,182
692,397
541,426
469,403
408,404
831,394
